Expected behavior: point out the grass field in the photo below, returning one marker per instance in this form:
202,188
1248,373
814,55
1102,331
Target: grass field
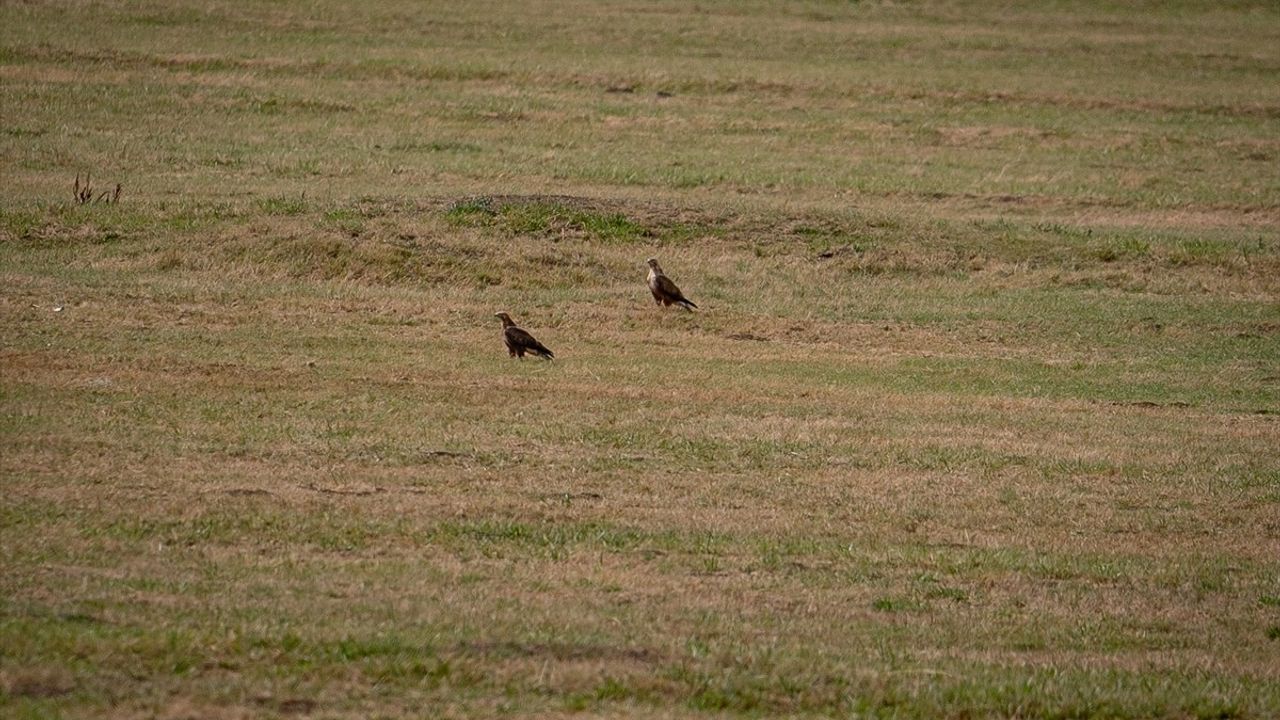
980,416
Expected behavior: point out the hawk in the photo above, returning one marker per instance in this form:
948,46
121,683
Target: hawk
664,291
520,342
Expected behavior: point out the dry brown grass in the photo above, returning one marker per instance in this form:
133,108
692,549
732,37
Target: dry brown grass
978,418
668,516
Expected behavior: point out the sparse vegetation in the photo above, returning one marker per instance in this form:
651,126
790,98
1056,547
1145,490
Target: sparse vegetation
552,219
85,194
978,417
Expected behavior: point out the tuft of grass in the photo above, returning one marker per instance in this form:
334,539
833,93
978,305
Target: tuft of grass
281,205
471,211
553,220
895,605
434,146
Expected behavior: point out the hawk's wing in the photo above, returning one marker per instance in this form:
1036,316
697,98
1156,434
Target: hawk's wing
663,287
668,289
519,338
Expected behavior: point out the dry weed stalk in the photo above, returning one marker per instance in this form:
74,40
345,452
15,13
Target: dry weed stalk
84,193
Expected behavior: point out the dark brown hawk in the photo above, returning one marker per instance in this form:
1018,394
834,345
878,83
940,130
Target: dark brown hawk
520,342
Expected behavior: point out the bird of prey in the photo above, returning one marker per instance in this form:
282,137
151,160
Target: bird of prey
664,291
520,342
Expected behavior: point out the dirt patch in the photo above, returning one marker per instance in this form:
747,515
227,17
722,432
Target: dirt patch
36,683
1149,404
561,651
287,706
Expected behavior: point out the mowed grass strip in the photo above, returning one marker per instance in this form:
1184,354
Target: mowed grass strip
962,109
978,418
353,500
